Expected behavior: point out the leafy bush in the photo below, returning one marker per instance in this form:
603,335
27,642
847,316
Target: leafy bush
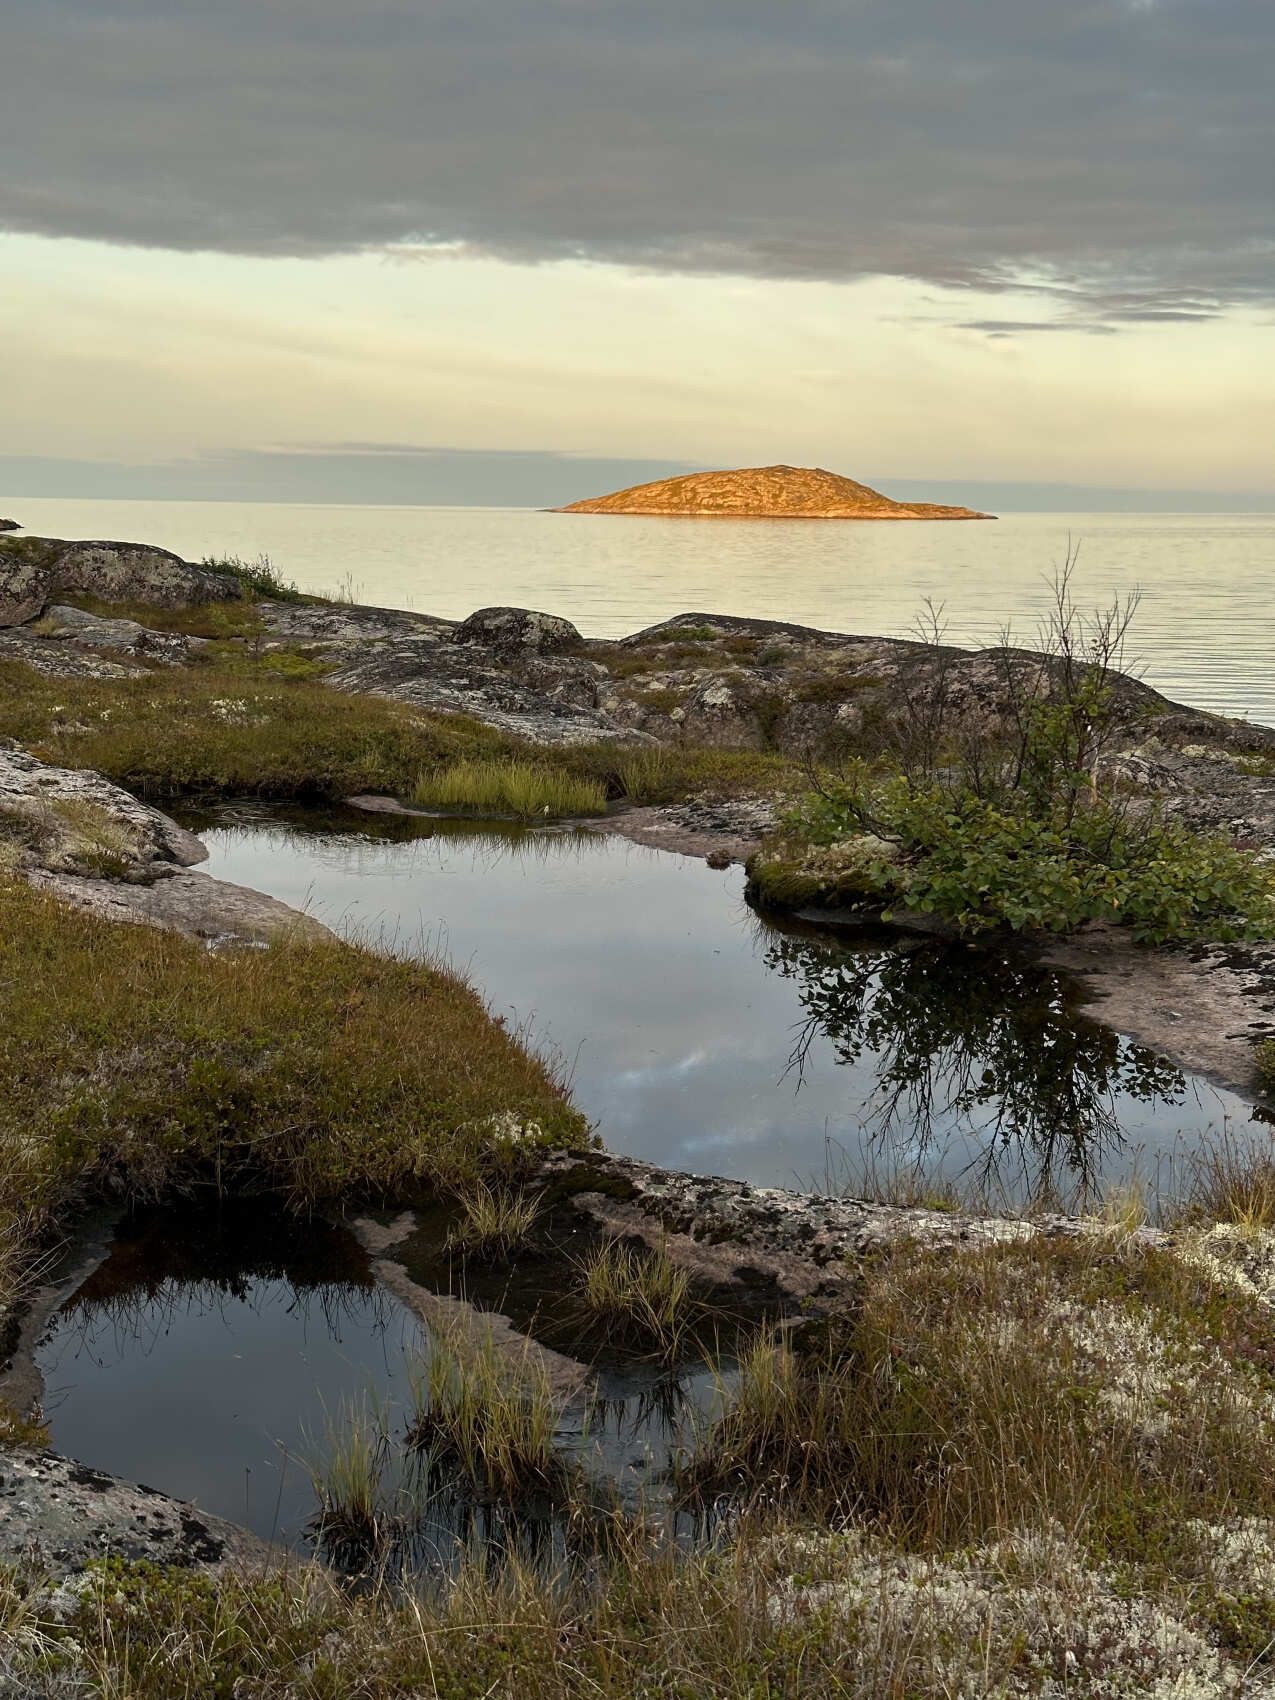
1035,863
259,578
1002,820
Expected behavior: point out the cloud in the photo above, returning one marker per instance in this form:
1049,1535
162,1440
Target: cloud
1099,146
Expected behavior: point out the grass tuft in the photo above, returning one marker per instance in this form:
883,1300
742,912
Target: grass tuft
495,1220
488,1421
637,1293
525,790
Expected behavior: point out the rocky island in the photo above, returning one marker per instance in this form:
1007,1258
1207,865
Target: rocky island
764,492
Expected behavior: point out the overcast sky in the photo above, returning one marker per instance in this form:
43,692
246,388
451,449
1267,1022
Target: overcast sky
485,249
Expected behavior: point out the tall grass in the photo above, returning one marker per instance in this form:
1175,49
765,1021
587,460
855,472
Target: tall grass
347,1473
488,1419
638,1293
525,790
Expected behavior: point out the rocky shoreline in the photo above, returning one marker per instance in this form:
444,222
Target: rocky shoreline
723,682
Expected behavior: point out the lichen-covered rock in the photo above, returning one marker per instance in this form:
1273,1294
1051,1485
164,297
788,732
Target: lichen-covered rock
35,571
518,628
77,626
58,1516
66,821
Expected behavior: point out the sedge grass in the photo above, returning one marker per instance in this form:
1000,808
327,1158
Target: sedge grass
525,790
494,1220
636,1292
489,1419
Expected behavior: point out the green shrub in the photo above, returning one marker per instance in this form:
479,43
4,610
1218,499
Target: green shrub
1030,864
259,577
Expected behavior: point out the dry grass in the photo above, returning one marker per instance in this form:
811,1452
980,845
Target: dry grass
266,725
205,619
213,730
1233,1181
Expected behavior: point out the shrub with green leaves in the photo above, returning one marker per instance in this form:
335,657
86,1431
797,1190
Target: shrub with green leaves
1031,864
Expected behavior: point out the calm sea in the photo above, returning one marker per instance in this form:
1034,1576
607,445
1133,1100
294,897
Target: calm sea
1205,631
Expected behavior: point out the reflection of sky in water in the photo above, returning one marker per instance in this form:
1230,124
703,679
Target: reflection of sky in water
220,1398
662,991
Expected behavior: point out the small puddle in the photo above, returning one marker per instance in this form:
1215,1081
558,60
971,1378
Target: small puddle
703,1037
221,1350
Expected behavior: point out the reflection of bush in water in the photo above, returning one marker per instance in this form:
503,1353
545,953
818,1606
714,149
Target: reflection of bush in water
979,1040
193,1257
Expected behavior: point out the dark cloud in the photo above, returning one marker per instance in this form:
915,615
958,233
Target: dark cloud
1101,147
1030,327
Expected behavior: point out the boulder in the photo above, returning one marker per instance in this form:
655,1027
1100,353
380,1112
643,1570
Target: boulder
78,626
518,629
60,1516
66,821
9,525
34,572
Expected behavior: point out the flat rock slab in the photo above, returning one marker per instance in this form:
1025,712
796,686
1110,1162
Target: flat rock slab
58,1516
800,1247
188,902
55,800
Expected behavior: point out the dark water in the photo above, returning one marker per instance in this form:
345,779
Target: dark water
702,1037
222,1348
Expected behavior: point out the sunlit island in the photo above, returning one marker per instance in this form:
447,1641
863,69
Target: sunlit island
763,492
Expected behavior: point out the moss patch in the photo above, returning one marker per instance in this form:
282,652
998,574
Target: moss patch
314,1067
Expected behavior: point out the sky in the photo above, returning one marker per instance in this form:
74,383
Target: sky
519,251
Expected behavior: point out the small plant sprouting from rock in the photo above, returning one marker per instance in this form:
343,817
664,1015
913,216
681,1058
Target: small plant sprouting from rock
494,1220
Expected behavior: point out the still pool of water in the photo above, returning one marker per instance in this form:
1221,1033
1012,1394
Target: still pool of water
1204,633
700,1036
221,1348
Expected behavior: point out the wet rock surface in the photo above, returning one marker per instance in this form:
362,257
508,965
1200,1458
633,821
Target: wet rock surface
57,1516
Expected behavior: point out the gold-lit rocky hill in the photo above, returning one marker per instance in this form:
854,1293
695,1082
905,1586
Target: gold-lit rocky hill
764,492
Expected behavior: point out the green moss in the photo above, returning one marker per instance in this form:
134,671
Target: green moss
20,1429
323,1070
